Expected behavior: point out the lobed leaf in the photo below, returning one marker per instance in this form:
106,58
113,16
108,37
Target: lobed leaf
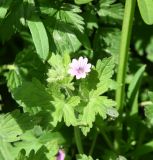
66,27
96,105
105,68
5,151
65,110
111,10
9,128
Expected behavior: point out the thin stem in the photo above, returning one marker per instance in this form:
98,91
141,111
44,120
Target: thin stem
78,140
109,143
124,47
93,143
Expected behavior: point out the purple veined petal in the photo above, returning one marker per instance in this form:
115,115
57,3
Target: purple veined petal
72,72
79,68
87,70
81,62
80,59
74,63
85,61
78,76
82,75
60,155
87,67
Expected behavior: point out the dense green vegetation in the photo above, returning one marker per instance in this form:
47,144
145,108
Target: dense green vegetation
76,79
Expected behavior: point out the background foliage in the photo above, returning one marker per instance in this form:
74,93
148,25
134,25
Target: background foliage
41,104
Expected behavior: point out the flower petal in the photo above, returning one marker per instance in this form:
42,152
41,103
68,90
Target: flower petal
87,67
72,72
74,63
79,68
61,155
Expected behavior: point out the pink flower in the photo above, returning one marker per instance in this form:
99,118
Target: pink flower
79,68
60,155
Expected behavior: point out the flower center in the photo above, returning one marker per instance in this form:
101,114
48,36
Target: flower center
80,70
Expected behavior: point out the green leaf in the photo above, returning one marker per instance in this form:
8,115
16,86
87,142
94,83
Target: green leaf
143,42
9,128
21,155
149,113
59,67
13,78
58,77
91,90
67,19
143,149
33,96
52,136
39,37
11,23
149,109
150,95
4,6
82,1
105,68
145,7
29,141
96,105
36,138
5,151
26,66
13,124
91,19
107,40
84,157
29,64
39,155
121,158
66,27
65,110
111,10
134,85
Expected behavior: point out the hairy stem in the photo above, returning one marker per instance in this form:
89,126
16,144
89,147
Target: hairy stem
124,47
78,140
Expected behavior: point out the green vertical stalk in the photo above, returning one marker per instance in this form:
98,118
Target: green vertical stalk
124,47
78,140
93,143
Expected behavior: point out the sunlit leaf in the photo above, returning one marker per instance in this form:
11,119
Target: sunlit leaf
145,7
111,10
84,157
39,37
65,110
82,1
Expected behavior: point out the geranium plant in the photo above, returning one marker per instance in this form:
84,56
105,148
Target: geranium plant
76,79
